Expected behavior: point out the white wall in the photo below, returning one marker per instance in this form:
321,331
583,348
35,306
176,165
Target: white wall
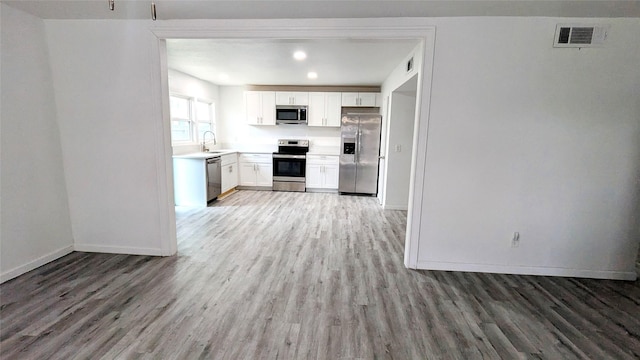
108,105
524,137
187,85
35,225
236,133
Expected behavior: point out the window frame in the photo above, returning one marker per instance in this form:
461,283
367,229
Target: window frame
193,121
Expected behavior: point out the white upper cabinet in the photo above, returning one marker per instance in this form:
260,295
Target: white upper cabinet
292,98
324,108
260,107
360,99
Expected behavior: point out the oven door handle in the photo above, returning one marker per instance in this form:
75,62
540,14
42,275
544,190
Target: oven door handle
278,156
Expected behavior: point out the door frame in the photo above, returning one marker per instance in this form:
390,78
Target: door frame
379,28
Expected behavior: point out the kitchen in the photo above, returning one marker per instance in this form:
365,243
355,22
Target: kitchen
247,96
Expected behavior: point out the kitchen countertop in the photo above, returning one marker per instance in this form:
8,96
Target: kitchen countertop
316,150
204,155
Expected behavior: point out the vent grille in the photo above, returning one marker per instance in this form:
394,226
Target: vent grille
580,36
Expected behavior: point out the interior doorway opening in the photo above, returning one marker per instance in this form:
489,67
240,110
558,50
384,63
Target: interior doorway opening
314,30
399,140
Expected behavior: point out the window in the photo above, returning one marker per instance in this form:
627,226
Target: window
180,119
190,118
204,118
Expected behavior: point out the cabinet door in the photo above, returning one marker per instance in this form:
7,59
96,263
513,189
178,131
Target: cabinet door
333,110
253,107
349,99
300,98
292,98
229,177
368,99
317,107
331,176
247,174
264,175
283,98
226,180
314,176
268,107
233,175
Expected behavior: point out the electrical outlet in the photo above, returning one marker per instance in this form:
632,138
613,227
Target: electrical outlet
515,241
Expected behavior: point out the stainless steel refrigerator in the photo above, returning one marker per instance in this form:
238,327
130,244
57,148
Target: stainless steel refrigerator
359,151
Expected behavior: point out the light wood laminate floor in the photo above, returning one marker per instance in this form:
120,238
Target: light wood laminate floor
273,275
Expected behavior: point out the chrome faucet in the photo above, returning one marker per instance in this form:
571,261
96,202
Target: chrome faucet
204,134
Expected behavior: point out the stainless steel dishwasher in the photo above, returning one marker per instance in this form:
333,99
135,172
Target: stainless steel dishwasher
214,178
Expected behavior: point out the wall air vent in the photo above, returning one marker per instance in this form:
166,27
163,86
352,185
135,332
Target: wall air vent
579,36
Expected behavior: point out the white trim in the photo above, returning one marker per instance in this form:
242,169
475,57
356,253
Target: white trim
394,207
25,268
419,152
528,270
125,250
366,28
164,149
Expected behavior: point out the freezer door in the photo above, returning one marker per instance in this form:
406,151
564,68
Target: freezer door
348,148
367,151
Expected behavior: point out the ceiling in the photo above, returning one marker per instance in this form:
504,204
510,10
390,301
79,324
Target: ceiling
272,9
354,62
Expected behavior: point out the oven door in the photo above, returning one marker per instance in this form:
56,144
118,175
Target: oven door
289,167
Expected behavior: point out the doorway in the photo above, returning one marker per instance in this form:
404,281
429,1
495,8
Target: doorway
402,115
312,29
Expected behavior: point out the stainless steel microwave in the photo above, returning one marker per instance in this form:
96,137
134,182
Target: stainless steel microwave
291,115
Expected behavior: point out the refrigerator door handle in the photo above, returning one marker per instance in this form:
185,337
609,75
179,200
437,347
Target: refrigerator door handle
359,145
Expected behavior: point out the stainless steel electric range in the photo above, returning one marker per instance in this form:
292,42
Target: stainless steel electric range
289,165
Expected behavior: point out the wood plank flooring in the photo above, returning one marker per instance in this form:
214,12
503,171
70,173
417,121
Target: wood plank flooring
273,275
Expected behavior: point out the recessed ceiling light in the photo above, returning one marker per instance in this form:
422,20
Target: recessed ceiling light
299,55
312,75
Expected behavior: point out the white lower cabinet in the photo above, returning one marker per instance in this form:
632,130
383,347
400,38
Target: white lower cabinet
190,181
322,172
256,170
229,172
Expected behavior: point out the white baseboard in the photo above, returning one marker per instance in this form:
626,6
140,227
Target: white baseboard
317,190
121,250
395,207
22,269
528,270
